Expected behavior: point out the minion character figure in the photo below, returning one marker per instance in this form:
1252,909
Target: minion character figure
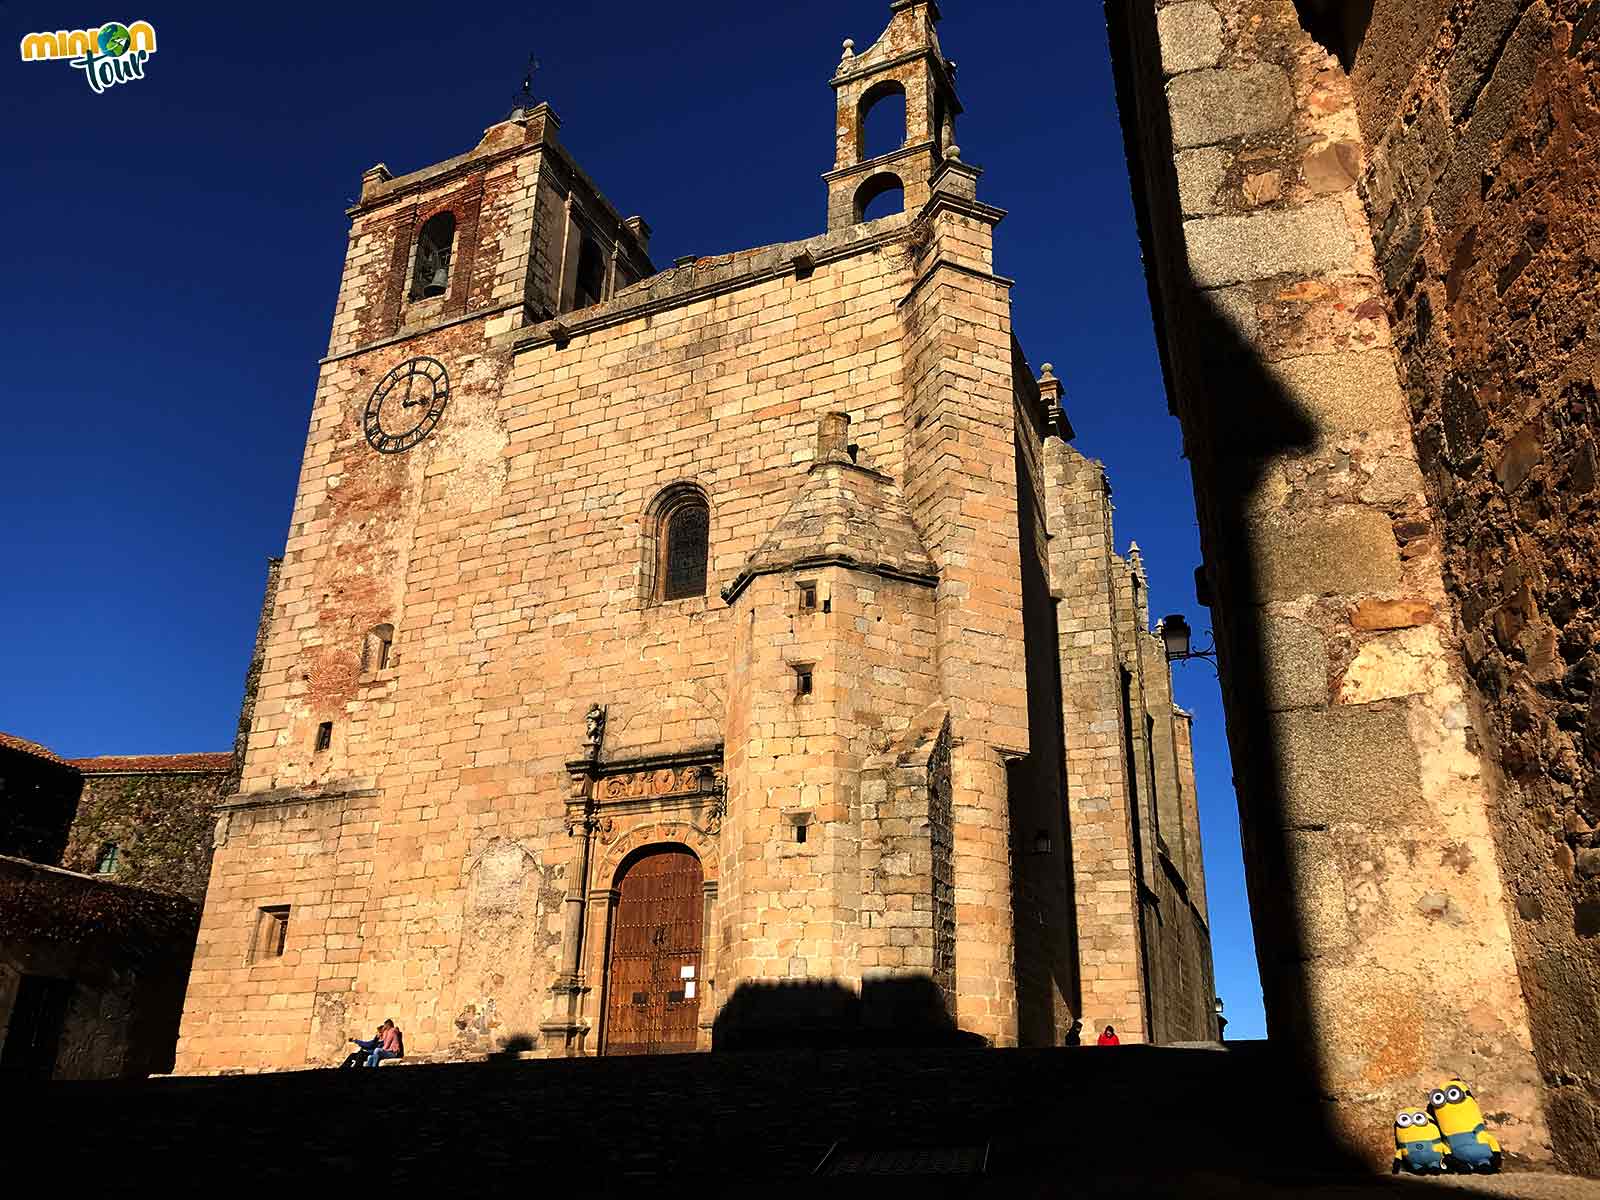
1419,1147
1472,1148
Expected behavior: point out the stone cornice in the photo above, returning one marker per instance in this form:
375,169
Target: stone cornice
976,209
420,331
440,174
877,67
699,757
941,263
772,262
881,161
813,562
283,797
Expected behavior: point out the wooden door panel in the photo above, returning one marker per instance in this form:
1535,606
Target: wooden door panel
655,935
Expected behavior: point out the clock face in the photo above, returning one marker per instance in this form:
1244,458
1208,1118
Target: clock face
406,405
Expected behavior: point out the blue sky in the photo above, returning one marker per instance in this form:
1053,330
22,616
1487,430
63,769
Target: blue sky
175,245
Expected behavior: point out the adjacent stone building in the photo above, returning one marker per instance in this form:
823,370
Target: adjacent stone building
92,971
38,798
645,636
147,820
1371,234
103,869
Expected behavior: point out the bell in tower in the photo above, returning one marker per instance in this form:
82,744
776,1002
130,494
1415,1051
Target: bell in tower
905,63
434,243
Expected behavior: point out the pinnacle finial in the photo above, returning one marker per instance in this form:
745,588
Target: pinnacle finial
953,152
1049,371
833,437
849,47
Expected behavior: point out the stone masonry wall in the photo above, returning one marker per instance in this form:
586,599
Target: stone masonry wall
124,951
440,858
1143,945
505,551
1045,912
1099,793
1363,792
1180,964
1483,190
960,408
855,898
159,812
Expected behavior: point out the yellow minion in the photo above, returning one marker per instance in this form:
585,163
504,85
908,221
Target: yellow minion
1418,1145
1472,1148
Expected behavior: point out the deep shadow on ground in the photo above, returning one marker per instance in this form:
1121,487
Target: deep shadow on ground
1131,1121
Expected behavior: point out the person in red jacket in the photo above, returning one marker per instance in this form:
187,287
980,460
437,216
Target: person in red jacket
1109,1038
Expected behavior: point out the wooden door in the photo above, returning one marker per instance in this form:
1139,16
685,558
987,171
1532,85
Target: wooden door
653,974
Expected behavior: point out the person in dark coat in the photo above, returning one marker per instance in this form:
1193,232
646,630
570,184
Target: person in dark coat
364,1048
1075,1034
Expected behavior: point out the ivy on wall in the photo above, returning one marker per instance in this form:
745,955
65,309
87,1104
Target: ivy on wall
161,824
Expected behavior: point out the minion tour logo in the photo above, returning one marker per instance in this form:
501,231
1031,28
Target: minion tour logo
115,53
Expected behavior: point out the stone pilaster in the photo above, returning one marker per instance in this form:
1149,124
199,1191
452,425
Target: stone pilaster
960,481
1100,797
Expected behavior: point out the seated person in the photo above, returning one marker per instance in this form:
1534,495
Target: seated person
390,1044
364,1050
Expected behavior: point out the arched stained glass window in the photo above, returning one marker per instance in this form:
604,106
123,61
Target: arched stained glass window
686,530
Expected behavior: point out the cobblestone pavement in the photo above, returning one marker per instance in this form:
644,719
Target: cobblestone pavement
1128,1122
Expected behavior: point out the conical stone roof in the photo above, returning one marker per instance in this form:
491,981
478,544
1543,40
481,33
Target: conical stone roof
845,515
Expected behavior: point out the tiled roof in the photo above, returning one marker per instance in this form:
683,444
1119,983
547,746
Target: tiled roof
152,764
22,745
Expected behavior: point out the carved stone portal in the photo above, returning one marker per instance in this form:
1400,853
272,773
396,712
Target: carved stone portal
605,802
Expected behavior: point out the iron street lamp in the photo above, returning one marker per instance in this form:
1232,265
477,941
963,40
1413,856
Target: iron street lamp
1174,631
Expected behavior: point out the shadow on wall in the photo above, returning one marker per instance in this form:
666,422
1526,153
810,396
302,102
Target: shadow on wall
1238,424
1229,465
820,1014
1317,780
513,1047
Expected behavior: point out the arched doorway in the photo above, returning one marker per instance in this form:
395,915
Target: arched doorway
653,966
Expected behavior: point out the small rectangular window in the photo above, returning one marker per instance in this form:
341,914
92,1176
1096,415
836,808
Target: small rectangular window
803,682
800,834
272,933
106,864
808,597
324,736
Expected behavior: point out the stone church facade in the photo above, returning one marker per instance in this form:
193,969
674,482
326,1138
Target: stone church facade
645,636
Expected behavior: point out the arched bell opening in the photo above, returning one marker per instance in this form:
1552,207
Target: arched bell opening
435,242
883,195
881,120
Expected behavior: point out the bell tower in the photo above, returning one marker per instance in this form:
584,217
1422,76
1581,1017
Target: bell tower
905,62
